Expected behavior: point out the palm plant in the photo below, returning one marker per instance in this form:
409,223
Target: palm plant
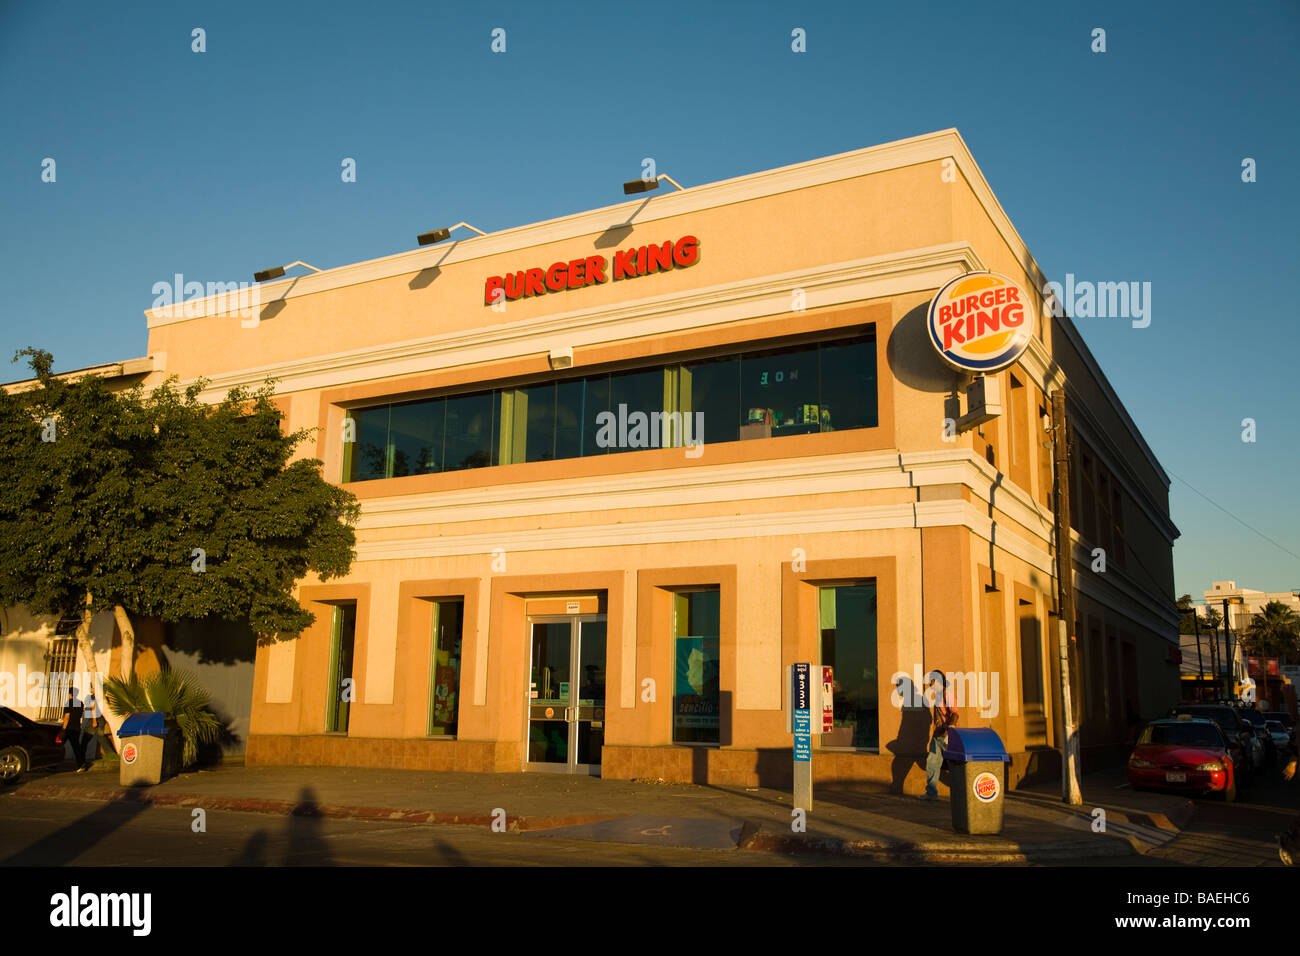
179,696
1275,632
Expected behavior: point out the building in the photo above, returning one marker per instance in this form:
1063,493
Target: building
1244,603
619,469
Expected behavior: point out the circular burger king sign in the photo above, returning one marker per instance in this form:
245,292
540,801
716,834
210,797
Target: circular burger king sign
129,753
985,787
981,322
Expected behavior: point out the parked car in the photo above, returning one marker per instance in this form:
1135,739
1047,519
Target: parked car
1281,736
1282,717
26,745
1184,754
1245,747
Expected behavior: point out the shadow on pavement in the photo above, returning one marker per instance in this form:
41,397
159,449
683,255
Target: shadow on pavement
65,845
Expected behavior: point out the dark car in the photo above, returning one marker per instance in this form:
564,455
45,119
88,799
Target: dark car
1187,754
1282,717
1244,747
26,745
1256,719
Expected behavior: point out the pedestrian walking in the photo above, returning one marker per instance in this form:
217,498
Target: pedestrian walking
97,727
945,718
70,729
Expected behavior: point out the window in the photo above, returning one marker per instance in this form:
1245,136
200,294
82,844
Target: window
848,645
341,691
696,667
798,390
444,668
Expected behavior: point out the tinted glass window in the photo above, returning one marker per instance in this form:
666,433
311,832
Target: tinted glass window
570,413
470,440
415,434
370,449
848,385
779,391
771,393
712,387
540,421
595,401
634,397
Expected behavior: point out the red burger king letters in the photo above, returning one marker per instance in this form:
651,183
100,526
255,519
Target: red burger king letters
592,270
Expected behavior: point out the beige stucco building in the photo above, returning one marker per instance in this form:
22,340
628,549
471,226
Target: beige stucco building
537,587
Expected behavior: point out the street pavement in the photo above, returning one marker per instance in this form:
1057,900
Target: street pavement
374,816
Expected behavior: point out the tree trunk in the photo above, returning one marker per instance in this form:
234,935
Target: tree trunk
84,644
127,666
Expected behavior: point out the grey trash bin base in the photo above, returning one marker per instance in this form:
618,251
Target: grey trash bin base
976,813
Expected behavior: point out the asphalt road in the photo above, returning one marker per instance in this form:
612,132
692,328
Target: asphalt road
73,833
1221,834
77,833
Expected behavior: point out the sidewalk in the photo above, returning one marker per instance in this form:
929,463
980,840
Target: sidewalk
873,825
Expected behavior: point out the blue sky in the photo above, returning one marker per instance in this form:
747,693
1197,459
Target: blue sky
1115,166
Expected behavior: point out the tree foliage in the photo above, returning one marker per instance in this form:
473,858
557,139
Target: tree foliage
162,504
1273,633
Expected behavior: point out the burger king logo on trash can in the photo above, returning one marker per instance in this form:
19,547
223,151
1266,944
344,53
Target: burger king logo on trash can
985,786
129,753
981,322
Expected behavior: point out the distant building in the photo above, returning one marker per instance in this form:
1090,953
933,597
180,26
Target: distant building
1252,602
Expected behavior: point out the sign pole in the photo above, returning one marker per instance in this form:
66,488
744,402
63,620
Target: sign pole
801,726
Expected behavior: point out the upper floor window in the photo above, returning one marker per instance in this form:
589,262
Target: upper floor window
769,393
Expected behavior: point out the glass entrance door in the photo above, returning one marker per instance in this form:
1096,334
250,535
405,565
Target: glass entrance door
566,693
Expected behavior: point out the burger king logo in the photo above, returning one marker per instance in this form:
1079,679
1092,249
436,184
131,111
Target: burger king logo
985,787
129,753
981,322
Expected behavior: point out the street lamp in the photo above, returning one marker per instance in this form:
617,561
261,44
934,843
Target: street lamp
645,185
276,271
441,235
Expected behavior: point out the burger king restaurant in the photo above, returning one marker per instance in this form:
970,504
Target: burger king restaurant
619,469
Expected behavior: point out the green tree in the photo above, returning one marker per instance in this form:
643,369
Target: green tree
1273,633
155,503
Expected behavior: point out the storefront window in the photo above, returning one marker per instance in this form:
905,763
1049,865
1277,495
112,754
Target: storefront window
848,645
696,667
444,683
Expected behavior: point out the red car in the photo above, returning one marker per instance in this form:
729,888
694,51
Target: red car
1185,754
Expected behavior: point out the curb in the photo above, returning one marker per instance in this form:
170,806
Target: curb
514,824
933,852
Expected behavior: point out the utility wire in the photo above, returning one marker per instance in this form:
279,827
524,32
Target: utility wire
1236,519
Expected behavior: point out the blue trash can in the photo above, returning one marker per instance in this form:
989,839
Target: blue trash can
978,762
150,746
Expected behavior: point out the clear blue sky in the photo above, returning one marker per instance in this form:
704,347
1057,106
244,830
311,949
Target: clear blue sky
1123,165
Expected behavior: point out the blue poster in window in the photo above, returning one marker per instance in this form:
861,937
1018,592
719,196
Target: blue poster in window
695,683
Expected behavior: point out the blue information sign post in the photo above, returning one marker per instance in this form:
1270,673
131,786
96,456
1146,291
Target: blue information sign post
801,700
